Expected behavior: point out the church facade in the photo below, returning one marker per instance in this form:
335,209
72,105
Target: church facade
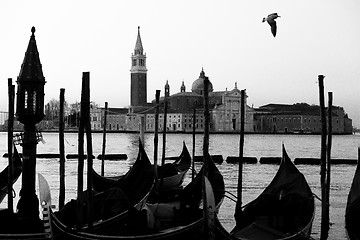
185,109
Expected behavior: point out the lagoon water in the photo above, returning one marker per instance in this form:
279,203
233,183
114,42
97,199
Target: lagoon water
255,176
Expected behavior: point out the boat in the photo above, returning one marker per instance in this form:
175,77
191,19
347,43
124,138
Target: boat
180,219
284,210
352,212
174,174
113,204
10,222
10,219
4,174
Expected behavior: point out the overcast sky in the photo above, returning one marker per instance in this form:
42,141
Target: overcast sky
227,38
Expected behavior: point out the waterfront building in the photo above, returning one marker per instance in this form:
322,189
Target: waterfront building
298,118
177,121
224,109
95,116
116,119
226,114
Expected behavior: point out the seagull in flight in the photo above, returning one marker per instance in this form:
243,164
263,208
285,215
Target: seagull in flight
271,21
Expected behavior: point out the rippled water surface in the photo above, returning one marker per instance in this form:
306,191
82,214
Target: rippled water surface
255,176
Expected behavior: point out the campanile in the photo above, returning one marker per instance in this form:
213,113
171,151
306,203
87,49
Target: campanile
138,74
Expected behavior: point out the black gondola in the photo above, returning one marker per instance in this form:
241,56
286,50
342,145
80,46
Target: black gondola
184,221
17,170
174,174
284,210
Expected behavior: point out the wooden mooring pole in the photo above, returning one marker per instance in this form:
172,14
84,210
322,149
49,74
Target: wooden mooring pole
104,141
206,126
164,143
156,138
89,152
142,129
11,89
193,143
80,178
241,152
324,219
328,159
62,150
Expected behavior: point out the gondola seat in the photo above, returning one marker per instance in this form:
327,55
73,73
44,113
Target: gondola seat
105,204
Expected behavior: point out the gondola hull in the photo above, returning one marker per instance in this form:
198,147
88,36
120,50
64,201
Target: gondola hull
188,223
352,213
112,206
172,179
17,170
284,210
190,231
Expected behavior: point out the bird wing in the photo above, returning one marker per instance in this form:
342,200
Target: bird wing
272,15
273,27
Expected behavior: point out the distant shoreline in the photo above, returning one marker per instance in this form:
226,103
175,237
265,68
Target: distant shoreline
183,132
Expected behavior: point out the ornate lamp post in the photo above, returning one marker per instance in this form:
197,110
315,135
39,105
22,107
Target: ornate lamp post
30,111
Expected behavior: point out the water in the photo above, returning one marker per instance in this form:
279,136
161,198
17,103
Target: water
255,176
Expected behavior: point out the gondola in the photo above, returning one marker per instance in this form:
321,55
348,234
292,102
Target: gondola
180,219
174,174
284,210
352,213
9,220
17,169
113,204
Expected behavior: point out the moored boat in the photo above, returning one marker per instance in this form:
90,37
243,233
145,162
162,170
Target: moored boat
174,174
352,212
4,174
11,224
284,210
180,219
113,204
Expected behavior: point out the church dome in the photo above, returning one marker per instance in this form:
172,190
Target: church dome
198,84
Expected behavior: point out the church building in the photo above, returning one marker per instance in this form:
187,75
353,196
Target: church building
224,105
224,109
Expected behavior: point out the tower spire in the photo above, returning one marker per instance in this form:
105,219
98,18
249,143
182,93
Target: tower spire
138,46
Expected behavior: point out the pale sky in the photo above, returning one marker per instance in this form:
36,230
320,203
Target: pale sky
227,38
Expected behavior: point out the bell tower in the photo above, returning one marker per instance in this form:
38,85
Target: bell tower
138,74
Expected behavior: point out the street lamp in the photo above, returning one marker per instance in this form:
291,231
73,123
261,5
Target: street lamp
30,111
30,91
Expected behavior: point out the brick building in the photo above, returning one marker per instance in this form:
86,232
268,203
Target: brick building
298,118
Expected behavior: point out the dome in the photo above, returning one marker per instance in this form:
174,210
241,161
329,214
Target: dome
198,84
